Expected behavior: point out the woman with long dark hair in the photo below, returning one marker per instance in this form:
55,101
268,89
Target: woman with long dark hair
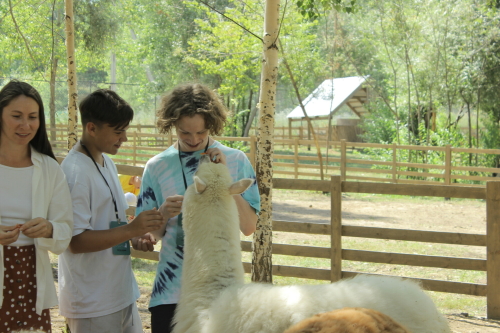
35,211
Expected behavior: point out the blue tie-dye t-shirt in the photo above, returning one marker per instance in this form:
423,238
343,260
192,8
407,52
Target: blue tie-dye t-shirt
163,178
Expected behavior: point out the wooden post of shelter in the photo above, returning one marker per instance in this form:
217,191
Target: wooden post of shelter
493,249
262,239
343,159
72,87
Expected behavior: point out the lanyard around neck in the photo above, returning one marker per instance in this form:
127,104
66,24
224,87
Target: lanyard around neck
112,196
180,160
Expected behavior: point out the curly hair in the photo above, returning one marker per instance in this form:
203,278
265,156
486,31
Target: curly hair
189,100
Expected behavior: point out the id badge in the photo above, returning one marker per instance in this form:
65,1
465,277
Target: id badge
122,249
180,231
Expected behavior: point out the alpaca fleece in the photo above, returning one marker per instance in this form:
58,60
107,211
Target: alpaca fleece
214,298
348,320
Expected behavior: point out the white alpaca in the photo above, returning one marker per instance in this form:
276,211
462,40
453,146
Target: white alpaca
214,298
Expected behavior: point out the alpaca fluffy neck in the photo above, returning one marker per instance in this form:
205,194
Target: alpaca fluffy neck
212,253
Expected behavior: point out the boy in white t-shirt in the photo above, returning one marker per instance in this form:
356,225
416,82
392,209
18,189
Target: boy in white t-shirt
97,288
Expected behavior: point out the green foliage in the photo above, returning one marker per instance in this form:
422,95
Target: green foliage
312,8
379,126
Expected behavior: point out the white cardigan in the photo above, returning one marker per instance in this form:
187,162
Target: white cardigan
51,200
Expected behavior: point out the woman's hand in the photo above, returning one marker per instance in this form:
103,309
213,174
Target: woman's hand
216,155
9,235
37,228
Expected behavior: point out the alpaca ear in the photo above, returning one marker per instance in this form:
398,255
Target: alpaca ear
199,185
240,186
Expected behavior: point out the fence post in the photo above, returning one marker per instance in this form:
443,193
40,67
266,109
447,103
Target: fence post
296,157
289,131
394,163
343,158
447,165
135,148
139,130
253,141
493,249
336,229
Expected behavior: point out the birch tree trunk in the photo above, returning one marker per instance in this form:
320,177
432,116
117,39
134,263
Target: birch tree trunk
52,104
72,88
262,239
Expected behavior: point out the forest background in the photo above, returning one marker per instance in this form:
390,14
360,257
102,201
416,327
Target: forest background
423,58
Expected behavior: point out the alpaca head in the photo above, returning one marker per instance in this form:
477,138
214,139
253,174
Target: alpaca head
210,195
215,179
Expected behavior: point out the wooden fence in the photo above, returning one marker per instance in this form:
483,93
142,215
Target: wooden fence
336,230
391,163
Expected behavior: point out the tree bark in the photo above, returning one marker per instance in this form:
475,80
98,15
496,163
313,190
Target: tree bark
72,87
262,240
52,104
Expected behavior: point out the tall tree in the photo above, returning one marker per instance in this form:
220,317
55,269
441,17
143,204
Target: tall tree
262,239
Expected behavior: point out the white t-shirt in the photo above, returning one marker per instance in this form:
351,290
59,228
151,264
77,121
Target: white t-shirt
97,283
16,183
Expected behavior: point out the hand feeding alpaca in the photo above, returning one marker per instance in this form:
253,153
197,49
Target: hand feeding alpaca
348,320
214,298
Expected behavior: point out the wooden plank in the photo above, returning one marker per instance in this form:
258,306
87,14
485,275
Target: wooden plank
437,285
155,255
479,178
421,174
447,164
493,249
415,260
366,170
476,151
301,227
430,148
343,158
298,272
336,229
130,170
394,168
368,179
475,169
293,250
415,190
360,161
301,184
420,165
414,235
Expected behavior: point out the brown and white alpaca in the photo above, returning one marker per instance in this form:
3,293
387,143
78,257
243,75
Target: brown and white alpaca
348,320
214,298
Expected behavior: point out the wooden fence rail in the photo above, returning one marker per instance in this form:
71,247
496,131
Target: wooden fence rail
399,164
337,230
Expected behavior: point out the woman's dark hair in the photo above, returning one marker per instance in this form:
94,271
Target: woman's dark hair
15,89
188,100
104,106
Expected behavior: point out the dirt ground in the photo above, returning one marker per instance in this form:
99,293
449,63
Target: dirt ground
453,216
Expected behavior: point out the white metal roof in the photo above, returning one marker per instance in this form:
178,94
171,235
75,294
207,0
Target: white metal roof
330,95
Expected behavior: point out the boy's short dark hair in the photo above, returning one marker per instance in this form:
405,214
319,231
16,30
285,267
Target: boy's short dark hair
104,106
